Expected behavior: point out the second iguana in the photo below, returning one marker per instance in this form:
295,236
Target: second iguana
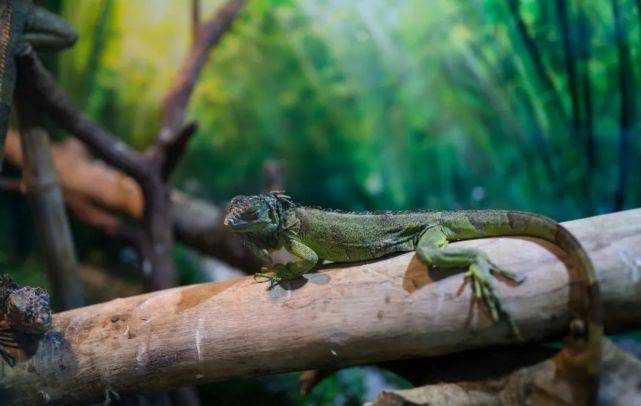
23,310
292,239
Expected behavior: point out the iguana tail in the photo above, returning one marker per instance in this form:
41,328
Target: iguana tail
581,353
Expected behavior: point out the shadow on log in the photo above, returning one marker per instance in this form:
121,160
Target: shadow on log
373,312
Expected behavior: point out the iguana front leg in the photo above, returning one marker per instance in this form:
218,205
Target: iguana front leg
432,249
302,259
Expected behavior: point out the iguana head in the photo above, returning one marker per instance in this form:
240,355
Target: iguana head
258,213
28,310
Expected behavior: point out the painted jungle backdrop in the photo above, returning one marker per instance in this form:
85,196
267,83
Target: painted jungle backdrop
365,105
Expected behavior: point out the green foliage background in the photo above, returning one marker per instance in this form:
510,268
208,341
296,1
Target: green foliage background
374,104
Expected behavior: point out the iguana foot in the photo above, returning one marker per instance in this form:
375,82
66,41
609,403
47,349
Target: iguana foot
269,276
481,272
433,249
281,272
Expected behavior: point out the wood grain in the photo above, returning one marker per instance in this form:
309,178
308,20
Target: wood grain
389,309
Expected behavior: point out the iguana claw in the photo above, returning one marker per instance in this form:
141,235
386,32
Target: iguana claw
480,272
270,276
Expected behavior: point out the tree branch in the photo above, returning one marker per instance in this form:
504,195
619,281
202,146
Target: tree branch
47,92
273,175
389,309
174,150
199,225
176,101
195,20
152,171
85,179
96,193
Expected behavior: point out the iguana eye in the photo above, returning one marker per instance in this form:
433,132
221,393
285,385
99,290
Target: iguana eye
252,213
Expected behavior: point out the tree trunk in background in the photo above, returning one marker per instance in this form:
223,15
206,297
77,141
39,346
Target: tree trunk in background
551,93
577,128
626,85
570,65
585,46
50,218
157,222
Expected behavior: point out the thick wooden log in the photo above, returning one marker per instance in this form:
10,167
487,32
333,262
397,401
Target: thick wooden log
383,310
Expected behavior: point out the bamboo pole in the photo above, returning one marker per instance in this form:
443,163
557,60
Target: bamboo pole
41,186
383,310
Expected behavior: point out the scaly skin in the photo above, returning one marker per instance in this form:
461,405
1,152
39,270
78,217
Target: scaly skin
291,240
23,310
21,23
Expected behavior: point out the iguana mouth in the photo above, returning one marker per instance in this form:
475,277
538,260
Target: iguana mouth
233,220
236,221
242,213
234,217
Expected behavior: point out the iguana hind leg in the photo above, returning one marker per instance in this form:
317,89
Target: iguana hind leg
432,249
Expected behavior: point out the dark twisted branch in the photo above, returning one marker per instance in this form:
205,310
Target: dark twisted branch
209,34
152,170
195,19
49,95
99,195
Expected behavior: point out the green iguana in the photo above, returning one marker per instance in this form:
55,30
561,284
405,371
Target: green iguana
23,310
20,23
292,239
